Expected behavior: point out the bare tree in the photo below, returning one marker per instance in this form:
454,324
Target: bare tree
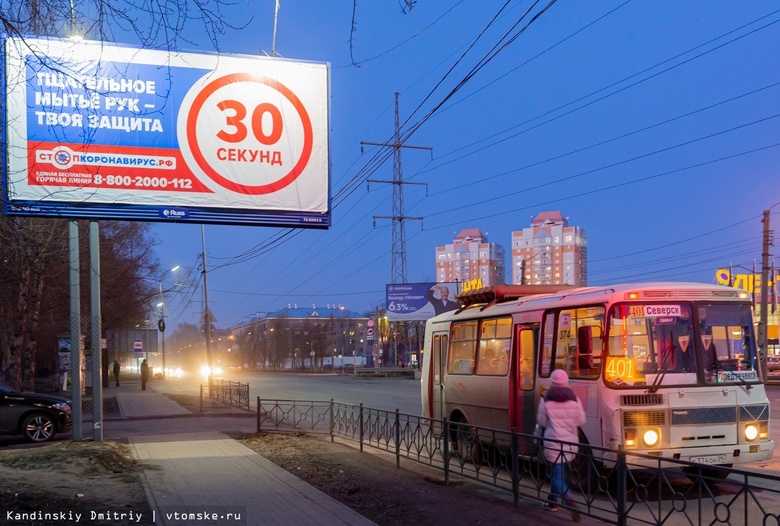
32,248
150,24
29,247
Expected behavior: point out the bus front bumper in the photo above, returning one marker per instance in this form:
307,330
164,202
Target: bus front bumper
711,455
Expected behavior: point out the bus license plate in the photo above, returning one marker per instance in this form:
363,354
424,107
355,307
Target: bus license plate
709,459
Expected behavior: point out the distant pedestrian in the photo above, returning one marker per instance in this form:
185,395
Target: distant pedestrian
560,413
144,375
117,367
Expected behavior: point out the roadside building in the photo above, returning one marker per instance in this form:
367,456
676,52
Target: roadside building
470,257
550,252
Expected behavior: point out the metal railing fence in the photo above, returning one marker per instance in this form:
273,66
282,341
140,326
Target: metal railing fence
613,486
225,391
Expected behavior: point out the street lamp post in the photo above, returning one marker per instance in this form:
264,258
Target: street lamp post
161,323
161,327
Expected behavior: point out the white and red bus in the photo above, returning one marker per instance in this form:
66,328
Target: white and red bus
664,369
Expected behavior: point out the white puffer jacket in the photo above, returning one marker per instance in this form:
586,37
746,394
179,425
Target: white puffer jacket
560,413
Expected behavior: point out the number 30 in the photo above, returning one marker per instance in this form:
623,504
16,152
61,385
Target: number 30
239,114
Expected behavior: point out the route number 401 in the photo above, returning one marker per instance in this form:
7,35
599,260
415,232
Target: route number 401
620,367
236,120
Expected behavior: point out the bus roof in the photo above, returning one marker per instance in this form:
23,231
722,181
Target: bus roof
503,299
503,293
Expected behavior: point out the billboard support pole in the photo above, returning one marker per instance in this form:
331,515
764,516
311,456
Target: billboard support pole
96,325
75,328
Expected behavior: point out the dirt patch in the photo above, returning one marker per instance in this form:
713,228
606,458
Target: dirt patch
375,488
72,478
194,404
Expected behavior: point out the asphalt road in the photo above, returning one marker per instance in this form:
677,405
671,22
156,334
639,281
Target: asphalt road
387,394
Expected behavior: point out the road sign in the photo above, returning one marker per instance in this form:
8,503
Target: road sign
212,318
370,323
138,346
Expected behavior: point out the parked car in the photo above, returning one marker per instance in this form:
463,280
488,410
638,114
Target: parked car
773,363
37,417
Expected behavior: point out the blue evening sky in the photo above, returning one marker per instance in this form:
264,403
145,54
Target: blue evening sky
653,125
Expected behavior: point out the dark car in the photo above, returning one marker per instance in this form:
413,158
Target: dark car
37,417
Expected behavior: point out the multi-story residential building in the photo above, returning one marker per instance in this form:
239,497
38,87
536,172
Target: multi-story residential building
470,257
550,252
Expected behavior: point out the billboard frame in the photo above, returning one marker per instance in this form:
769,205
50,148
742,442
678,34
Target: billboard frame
167,206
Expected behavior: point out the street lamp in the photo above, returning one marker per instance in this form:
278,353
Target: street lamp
161,321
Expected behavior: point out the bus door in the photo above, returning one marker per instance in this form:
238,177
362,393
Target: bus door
526,339
438,366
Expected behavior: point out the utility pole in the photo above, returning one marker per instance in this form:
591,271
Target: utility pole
206,311
764,327
333,343
398,271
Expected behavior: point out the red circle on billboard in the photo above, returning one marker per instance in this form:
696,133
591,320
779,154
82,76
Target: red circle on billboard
192,118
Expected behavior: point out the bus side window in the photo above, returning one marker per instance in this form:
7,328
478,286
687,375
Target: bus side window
545,365
463,347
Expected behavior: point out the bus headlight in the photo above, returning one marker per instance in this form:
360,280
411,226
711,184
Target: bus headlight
751,432
630,438
651,437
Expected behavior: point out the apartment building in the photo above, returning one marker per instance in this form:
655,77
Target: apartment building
550,252
470,257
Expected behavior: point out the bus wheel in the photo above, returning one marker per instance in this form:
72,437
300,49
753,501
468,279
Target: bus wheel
694,473
467,442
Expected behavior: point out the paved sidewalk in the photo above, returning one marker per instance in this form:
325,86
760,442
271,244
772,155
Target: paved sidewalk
147,403
193,468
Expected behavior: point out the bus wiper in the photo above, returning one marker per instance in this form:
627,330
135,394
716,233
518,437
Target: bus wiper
744,382
660,377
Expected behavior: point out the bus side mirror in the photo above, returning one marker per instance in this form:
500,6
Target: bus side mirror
649,368
585,347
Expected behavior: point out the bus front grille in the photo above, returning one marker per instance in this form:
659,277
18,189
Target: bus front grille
644,418
642,399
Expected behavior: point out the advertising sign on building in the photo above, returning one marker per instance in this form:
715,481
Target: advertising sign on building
106,131
419,301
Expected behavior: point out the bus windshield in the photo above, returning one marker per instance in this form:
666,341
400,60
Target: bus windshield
680,344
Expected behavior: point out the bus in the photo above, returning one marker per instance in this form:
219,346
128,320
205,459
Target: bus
664,369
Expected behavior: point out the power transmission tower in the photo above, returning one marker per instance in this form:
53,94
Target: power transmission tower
398,270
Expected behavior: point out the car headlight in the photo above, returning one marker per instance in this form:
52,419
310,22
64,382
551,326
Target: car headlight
62,406
651,437
751,432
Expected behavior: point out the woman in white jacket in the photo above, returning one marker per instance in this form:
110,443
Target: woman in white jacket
560,413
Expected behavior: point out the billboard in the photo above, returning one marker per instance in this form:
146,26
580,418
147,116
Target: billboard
419,301
96,130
